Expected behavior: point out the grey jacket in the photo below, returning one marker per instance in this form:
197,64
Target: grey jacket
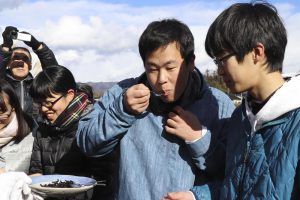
16,157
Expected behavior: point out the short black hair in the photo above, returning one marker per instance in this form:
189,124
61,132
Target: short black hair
53,79
161,33
239,28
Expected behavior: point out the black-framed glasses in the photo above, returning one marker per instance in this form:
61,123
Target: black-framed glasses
220,61
50,104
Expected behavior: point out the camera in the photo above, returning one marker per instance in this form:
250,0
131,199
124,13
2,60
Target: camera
21,36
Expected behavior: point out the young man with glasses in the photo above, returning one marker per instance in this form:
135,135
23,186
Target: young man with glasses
262,160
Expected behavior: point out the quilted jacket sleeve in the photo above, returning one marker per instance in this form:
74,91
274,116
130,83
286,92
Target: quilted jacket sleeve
46,56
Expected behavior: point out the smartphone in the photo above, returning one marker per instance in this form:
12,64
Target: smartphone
21,36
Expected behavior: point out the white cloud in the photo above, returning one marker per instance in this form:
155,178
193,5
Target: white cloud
73,32
99,41
93,66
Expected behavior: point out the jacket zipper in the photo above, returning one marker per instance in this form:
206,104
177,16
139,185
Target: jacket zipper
243,174
22,95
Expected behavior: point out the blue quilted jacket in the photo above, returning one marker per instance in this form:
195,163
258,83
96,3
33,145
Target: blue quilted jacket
262,155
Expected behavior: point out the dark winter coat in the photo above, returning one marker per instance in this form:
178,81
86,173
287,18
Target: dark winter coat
55,151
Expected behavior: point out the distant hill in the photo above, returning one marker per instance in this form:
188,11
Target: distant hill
100,87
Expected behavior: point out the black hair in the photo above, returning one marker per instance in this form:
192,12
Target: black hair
239,28
53,79
87,89
161,33
7,89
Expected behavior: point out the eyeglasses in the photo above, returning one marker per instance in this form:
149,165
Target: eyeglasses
50,104
220,61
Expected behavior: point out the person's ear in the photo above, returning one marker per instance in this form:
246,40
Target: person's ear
8,64
259,53
70,95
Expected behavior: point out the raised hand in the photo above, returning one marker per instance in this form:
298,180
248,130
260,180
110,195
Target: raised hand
33,43
136,99
7,36
184,124
179,196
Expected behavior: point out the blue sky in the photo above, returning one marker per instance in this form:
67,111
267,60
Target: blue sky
98,40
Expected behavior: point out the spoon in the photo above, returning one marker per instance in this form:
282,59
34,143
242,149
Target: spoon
156,94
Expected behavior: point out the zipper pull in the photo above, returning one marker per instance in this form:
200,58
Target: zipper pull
247,152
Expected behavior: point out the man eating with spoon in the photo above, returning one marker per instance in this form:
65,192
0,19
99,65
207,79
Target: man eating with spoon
141,116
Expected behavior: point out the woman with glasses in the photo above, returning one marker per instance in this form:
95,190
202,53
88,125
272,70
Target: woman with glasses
15,136
62,104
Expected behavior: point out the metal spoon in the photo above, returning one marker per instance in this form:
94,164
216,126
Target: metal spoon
102,183
156,94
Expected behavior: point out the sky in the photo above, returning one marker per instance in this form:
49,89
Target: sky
98,39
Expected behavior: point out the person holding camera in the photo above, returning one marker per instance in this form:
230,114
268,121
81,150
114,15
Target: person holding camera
15,65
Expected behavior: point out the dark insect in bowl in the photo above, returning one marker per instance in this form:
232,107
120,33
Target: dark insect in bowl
61,184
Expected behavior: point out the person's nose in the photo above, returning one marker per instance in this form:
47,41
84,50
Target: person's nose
44,109
162,77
